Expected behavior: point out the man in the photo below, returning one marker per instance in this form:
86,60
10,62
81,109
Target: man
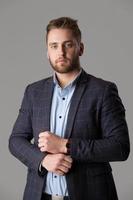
77,122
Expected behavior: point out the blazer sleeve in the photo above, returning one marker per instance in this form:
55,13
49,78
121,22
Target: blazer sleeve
114,144
20,144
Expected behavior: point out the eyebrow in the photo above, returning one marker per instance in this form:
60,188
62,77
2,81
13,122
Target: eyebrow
53,43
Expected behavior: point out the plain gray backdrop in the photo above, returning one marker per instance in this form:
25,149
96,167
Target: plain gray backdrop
107,28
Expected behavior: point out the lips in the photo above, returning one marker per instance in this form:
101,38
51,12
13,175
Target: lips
61,60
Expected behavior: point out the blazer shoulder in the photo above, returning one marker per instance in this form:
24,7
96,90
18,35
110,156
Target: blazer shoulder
40,84
99,83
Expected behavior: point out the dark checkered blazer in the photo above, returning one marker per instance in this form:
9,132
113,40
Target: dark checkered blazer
96,127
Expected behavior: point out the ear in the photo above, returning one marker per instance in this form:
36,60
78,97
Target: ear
81,49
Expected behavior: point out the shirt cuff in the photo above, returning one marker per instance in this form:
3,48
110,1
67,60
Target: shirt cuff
42,170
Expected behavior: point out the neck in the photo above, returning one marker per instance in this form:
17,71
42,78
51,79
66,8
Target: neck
65,78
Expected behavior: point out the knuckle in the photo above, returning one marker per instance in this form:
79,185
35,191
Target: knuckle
46,141
60,160
55,167
41,134
61,156
41,149
46,134
67,170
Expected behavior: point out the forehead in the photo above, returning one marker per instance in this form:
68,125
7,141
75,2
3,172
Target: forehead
60,35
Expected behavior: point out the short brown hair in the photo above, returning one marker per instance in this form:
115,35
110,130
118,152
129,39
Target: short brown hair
64,23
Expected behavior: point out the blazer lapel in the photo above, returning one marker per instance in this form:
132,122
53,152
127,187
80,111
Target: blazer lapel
79,90
46,101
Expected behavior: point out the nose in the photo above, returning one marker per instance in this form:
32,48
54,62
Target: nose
61,50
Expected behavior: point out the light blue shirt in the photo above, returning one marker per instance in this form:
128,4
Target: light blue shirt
55,184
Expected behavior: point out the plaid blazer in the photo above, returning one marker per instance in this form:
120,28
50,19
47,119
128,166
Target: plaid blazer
96,127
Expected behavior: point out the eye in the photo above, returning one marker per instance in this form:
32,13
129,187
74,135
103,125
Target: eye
69,45
54,46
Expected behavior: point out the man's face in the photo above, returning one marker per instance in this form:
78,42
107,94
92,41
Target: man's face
63,50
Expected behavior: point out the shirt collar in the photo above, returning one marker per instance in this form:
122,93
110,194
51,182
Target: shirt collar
73,82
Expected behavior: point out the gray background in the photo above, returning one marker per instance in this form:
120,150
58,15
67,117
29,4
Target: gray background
107,28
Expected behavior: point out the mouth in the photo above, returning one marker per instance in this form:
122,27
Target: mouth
61,60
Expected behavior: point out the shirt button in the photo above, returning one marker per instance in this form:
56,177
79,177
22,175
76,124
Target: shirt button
60,117
63,98
55,176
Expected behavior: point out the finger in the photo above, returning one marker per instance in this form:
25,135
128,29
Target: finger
63,168
43,149
41,134
40,144
59,172
68,159
41,139
66,164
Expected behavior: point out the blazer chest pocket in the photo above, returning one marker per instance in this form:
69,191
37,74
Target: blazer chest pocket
86,121
85,115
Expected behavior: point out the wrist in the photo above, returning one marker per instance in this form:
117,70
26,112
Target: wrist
64,146
42,170
68,146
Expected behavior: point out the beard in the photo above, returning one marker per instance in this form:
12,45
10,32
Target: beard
66,66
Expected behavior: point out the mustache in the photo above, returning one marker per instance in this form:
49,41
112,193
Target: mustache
61,59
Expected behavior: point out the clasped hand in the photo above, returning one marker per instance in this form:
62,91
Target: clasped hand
56,160
49,142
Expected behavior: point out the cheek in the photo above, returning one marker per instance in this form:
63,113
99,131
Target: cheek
52,57
71,54
51,54
74,55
